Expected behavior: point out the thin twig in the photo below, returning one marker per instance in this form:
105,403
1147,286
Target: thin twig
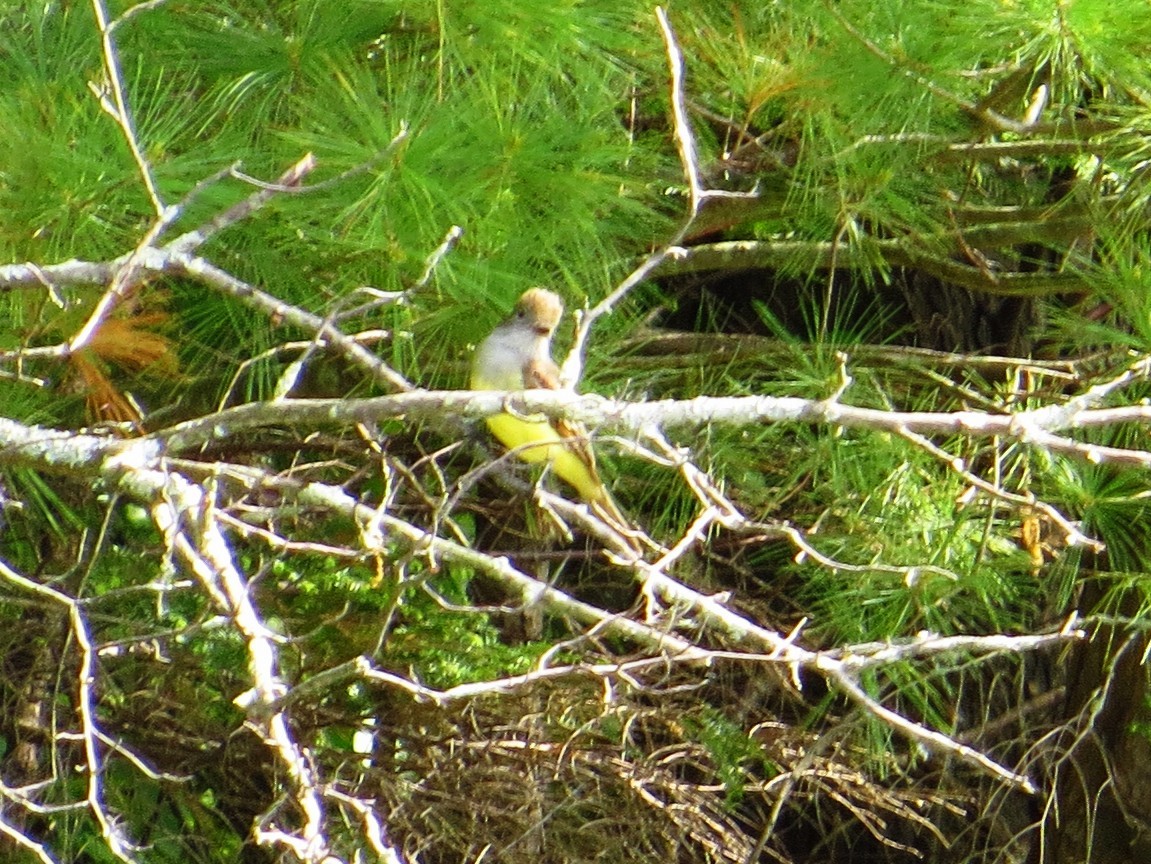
449,243
110,829
118,108
1033,426
290,179
685,144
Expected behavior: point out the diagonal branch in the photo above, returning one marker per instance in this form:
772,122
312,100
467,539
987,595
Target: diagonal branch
1037,426
118,108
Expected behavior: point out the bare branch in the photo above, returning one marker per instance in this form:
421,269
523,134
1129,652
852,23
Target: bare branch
205,551
272,306
685,143
373,828
118,108
923,253
25,842
985,115
1072,535
932,740
366,165
118,844
1034,426
449,243
132,11
684,137
290,179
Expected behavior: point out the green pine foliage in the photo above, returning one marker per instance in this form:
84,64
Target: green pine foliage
542,130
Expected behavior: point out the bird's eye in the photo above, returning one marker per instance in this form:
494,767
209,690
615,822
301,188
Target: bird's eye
521,314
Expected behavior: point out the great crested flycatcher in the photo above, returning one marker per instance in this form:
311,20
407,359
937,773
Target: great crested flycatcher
518,356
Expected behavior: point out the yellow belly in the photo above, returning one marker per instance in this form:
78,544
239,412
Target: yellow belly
538,441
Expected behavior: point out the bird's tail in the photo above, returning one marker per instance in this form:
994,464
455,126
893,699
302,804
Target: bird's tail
604,506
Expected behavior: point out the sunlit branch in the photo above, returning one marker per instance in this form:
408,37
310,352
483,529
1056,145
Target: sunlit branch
110,829
1031,426
689,160
189,510
117,107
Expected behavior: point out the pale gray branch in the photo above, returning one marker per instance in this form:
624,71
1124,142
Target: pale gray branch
1035,426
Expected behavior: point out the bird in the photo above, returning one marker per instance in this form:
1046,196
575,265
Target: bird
517,355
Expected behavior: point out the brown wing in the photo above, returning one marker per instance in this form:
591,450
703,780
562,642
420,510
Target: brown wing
540,373
543,374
